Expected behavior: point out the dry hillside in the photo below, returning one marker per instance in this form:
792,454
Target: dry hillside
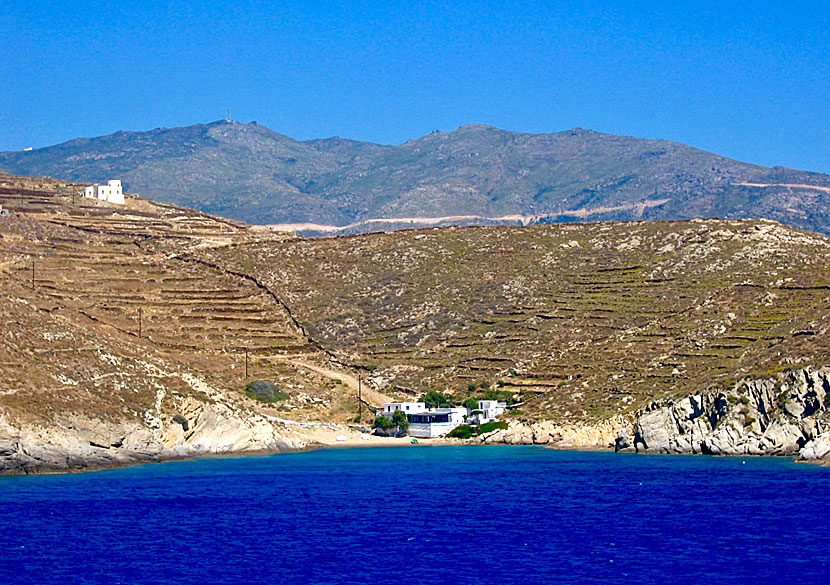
576,321
108,317
129,325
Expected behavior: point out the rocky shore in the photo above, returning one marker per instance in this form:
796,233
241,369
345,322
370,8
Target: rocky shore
783,415
79,443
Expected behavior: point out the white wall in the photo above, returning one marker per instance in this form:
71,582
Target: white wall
408,408
428,430
111,192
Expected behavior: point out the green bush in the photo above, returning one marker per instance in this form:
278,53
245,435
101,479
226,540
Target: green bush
182,421
399,420
462,432
471,403
383,423
492,426
500,395
265,391
434,399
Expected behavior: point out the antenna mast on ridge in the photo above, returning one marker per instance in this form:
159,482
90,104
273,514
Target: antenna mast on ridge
228,118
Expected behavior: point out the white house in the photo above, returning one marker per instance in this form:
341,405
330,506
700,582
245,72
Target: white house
434,422
407,408
490,410
111,192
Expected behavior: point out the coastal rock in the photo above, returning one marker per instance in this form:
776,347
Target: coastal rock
76,442
772,416
602,434
818,448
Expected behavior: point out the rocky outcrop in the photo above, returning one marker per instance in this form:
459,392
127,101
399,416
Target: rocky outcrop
786,415
77,442
575,436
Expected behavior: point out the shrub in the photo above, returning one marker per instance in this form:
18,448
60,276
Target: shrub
462,432
471,403
265,391
434,399
182,421
399,420
492,426
383,423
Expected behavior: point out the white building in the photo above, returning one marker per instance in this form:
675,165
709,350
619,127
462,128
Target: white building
490,410
434,422
111,192
407,408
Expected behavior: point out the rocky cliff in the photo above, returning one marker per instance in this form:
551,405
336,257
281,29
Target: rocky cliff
785,415
75,442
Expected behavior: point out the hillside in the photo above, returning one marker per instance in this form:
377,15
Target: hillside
119,347
578,320
250,173
126,330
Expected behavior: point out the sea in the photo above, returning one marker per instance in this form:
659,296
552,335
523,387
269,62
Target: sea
421,514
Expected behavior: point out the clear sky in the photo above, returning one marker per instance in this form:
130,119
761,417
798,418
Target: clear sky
750,80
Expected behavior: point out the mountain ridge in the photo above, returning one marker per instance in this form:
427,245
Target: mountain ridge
252,173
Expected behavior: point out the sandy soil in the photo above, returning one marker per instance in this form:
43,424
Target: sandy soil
369,395
353,438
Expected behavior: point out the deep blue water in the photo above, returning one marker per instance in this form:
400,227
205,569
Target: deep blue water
422,515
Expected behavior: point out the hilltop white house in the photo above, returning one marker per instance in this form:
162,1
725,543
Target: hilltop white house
111,192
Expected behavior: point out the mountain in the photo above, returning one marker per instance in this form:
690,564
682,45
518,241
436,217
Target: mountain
476,174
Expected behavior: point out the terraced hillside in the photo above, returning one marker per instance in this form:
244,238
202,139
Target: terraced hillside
107,316
130,332
578,322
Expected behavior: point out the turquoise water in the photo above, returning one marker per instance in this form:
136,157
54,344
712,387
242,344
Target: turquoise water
422,515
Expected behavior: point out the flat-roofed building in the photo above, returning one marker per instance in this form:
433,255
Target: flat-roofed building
111,192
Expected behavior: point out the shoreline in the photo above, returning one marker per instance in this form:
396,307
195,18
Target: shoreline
399,442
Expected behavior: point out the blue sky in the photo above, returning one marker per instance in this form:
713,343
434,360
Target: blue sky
750,80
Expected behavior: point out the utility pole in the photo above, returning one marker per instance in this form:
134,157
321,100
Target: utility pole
359,397
140,311
246,364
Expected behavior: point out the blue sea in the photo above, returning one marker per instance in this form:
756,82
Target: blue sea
403,515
